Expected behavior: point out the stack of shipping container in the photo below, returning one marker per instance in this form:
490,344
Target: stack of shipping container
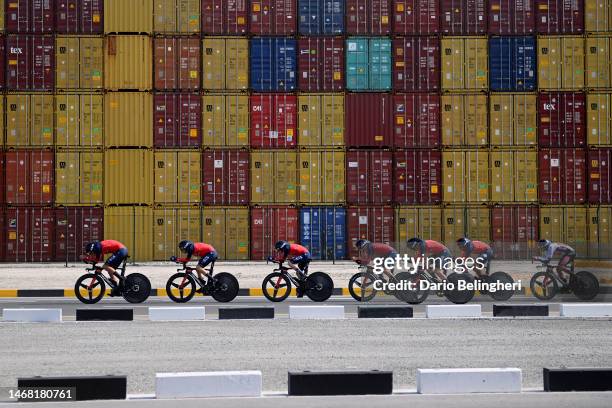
316,121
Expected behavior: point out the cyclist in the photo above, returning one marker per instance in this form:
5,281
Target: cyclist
297,256
476,249
206,252
95,251
368,251
566,252
430,248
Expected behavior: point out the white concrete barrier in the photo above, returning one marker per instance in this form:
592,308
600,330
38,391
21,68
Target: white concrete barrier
454,311
586,309
32,315
468,380
316,312
208,384
177,313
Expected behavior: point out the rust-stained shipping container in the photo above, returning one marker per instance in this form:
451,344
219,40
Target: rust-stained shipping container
225,120
274,177
598,57
473,222
79,16
30,16
417,177
79,120
416,120
422,222
177,177
177,120
225,63
600,176
513,119
320,64
600,231
368,120
29,177
465,176
132,226
599,119
514,176
321,176
598,16
273,121
416,17
562,174
128,176
511,17
3,55
270,224
29,234
416,64
369,177
465,63
29,120
514,231
176,16
79,178
224,17
177,63
567,224
562,119
320,120
561,62
74,228
133,17
463,17
127,60
465,120
227,229
79,62
273,17
376,224
128,119
30,62
559,16
225,177
368,17
171,225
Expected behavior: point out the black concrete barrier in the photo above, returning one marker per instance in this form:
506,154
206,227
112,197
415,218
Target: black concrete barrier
577,379
85,388
384,311
520,310
104,314
340,383
246,313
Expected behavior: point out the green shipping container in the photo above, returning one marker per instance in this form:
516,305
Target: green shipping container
368,64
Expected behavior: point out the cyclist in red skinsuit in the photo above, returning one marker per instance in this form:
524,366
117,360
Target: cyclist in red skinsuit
476,249
430,248
95,251
297,256
206,252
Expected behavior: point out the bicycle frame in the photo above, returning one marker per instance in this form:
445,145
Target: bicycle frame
285,271
99,272
191,271
553,271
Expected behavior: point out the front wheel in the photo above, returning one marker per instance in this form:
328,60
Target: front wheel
503,294
457,295
411,291
137,288
226,287
361,286
544,286
181,287
584,285
89,288
319,286
276,287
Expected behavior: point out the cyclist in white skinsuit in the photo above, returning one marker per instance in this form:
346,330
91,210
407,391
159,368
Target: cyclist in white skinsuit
566,252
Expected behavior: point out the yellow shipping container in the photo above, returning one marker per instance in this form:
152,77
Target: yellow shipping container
561,62
177,177
567,224
29,120
176,16
322,179
526,176
453,181
321,120
2,102
513,119
132,226
78,177
422,222
128,119
599,119
465,63
128,176
128,62
171,226
2,15
274,177
598,59
471,222
514,176
128,16
598,15
464,120
227,229
600,233
225,120
79,62
79,120
225,62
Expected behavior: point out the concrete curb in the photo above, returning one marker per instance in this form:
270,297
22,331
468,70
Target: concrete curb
177,313
435,311
586,309
110,387
208,384
316,312
226,313
577,379
32,315
104,314
468,380
340,383
515,310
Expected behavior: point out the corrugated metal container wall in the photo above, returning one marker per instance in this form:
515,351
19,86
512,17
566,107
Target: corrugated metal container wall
29,120
29,234
422,222
418,178
320,64
270,224
273,121
514,176
368,64
514,231
513,119
462,17
560,62
176,16
511,17
368,120
79,120
512,62
132,226
171,226
3,55
464,63
30,62
368,17
74,228
562,176
227,229
471,222
274,177
465,176
79,178
321,17
600,176
79,16
177,177
128,119
559,16
128,176
224,17
79,62
416,17
416,63
598,67
465,120
225,177
321,177
376,224
225,120
29,177
177,120
30,16
177,63
598,16
599,117
320,120
323,232
273,64
416,119
562,119
600,233
135,16
225,63
127,60
273,17
566,224
369,177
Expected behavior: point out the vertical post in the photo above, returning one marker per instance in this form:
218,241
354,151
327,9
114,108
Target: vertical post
134,233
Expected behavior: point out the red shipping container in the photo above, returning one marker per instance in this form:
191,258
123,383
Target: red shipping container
29,16
321,64
225,177
177,63
79,16
562,119
368,17
462,17
2,178
560,16
273,121
600,176
29,234
271,224
375,224
177,120
75,227
514,231
30,62
562,176
368,120
418,178
3,234
416,63
2,66
416,120
29,177
369,177
416,17
511,17
224,17
273,17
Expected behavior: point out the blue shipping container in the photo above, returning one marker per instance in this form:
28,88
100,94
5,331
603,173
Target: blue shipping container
273,64
323,232
512,63
318,17
368,64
